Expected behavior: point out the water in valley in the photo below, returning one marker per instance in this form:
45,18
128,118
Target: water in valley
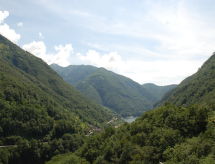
129,119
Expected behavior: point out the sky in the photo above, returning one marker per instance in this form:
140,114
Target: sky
149,41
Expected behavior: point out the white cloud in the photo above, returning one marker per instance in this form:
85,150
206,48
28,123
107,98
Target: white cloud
80,13
178,31
36,48
3,15
41,35
179,39
183,34
5,29
160,72
61,56
111,61
184,40
9,33
20,24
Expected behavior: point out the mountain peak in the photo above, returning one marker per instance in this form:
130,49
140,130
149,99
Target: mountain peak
107,88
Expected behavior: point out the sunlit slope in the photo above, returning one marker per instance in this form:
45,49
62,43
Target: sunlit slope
34,99
109,89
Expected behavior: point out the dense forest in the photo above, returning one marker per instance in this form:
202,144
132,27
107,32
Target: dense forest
45,120
40,114
182,133
119,93
167,134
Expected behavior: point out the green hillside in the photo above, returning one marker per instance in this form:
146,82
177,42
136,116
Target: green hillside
158,91
109,89
42,116
39,112
168,134
196,89
74,73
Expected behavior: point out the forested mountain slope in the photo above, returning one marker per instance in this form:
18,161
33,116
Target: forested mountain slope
37,106
114,91
196,89
169,134
158,91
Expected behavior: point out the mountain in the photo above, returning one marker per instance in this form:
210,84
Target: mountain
158,91
181,133
74,73
109,89
196,89
37,108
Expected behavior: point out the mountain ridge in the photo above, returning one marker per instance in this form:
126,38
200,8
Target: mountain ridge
158,91
109,89
26,62
117,92
41,115
198,88
180,131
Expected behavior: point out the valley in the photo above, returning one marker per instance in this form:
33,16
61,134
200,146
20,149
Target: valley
116,92
43,119
181,130
107,82
96,116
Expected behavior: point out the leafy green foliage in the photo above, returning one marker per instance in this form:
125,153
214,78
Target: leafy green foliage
67,159
37,109
169,134
104,87
41,116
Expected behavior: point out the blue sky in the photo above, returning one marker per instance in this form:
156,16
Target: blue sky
159,41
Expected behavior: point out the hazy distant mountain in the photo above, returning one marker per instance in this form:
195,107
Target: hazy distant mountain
196,89
158,91
114,91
